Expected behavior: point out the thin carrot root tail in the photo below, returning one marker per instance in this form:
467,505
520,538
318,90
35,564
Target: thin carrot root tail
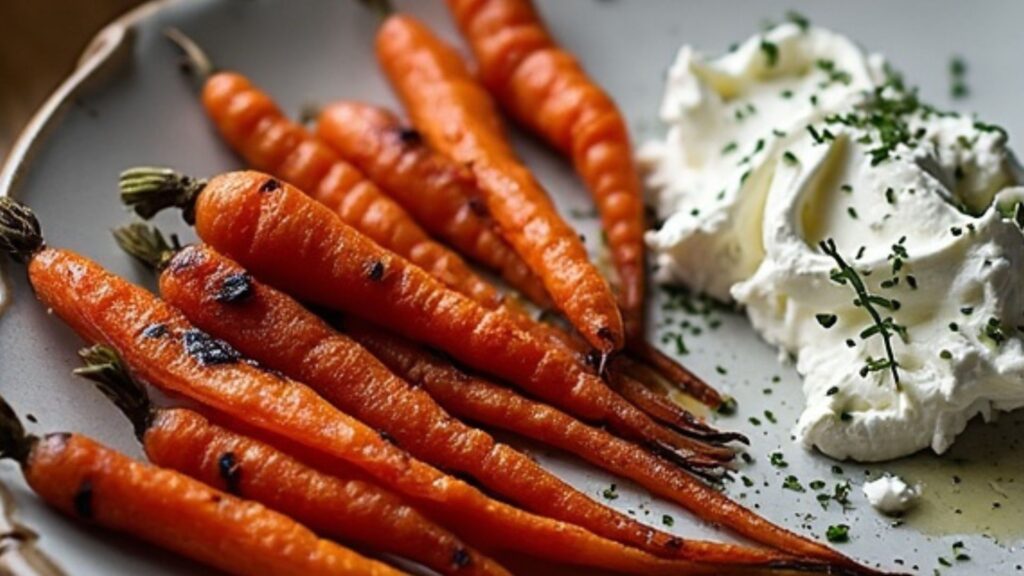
679,376
660,407
103,366
147,244
20,233
15,443
195,61
150,189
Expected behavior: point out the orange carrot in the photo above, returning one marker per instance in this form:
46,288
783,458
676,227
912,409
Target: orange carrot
457,117
278,332
439,193
293,243
349,508
477,400
159,346
95,484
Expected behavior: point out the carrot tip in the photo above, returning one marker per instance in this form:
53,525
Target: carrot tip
196,63
20,233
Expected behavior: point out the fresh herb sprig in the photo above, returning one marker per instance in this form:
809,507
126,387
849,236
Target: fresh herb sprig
884,327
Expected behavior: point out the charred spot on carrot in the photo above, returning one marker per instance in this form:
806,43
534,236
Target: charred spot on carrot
154,331
82,500
375,271
461,558
271,185
235,288
208,350
478,207
230,471
410,136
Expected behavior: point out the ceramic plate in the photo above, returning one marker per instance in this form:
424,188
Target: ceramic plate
128,104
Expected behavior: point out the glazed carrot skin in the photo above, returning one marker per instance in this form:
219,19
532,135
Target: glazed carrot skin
296,245
88,481
347,508
160,347
457,117
546,89
440,194
255,127
477,400
275,330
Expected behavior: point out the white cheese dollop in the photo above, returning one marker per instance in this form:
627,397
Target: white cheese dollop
798,137
891,495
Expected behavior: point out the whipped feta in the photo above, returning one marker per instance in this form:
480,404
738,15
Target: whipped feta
797,161
891,495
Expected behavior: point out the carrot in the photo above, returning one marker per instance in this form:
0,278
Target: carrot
544,88
457,117
159,346
95,484
477,400
348,508
278,332
255,128
291,242
439,193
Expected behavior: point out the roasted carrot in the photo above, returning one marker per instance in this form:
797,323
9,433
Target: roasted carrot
293,243
254,127
545,88
440,194
95,484
349,508
477,400
222,299
457,117
159,346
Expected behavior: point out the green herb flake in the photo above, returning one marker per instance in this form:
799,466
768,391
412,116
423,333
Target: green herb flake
793,483
826,320
610,493
837,533
771,52
790,158
667,520
778,460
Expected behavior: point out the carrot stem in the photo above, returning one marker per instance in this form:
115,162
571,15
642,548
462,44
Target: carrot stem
20,233
150,189
103,366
